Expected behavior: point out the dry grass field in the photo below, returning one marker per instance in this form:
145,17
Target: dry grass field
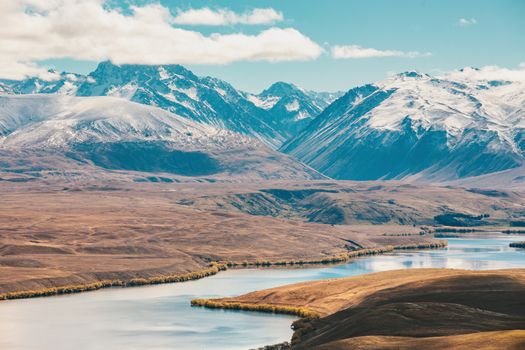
67,237
509,340
73,233
406,309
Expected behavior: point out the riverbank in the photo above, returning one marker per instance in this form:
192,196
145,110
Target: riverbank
59,241
340,258
517,244
480,229
87,234
214,268
112,316
425,306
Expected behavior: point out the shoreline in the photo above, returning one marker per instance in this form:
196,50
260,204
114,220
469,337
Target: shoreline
302,312
213,269
326,299
481,229
520,244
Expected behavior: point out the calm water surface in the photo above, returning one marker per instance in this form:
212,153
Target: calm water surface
160,317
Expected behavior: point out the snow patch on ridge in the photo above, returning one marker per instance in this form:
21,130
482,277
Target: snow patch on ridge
292,106
264,103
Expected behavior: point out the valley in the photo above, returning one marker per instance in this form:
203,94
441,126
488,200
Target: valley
57,234
138,175
269,175
61,237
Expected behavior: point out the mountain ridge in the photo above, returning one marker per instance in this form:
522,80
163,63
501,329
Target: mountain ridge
414,124
116,134
176,89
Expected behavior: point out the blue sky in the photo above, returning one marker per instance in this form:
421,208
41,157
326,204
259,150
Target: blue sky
445,34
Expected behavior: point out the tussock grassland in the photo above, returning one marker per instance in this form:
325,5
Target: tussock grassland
497,340
62,238
423,306
347,256
212,270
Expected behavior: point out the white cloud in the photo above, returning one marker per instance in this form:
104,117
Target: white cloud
34,30
356,51
207,16
463,22
488,73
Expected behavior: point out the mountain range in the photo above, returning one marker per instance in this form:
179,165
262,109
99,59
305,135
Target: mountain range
415,126
203,99
411,126
115,134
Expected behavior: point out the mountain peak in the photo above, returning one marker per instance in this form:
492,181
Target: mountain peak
468,68
281,89
412,74
441,129
108,68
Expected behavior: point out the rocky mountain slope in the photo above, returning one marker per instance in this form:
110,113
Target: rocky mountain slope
178,90
414,126
292,107
113,133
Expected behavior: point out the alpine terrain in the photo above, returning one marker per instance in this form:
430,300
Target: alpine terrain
177,90
417,127
292,107
113,133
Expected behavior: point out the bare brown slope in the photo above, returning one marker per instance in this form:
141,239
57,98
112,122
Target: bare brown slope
85,229
345,202
407,303
56,238
509,340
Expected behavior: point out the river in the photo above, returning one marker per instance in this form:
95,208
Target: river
160,316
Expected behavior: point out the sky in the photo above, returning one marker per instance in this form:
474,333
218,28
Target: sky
319,45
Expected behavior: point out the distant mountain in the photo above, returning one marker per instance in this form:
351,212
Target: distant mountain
292,107
414,126
178,90
116,134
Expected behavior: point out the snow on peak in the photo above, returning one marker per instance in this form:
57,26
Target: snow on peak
454,127
292,106
412,74
163,74
281,89
33,121
264,103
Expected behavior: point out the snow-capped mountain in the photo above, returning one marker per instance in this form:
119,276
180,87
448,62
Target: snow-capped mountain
416,126
114,133
45,121
290,107
54,83
178,90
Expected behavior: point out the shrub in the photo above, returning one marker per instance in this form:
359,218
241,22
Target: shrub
212,270
277,309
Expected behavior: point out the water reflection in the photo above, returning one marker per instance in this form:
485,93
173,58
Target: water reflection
159,317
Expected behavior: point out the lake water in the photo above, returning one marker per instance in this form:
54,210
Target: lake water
160,316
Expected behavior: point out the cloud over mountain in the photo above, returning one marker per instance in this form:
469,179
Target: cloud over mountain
489,73
35,30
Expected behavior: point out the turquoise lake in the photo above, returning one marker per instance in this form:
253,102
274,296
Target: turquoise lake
160,316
